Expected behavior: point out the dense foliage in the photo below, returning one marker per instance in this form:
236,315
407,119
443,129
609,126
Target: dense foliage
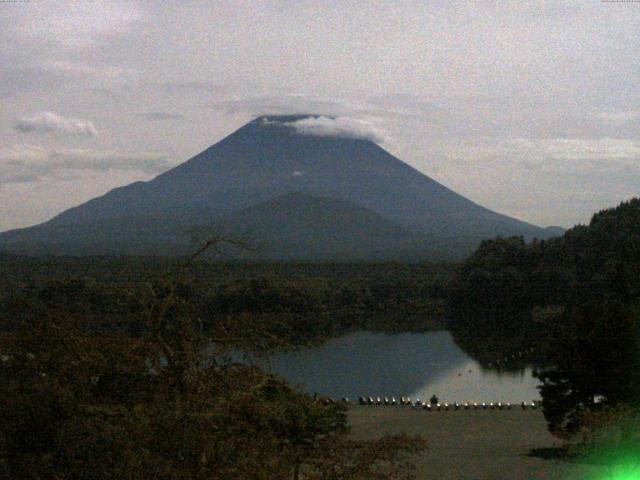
570,304
101,385
295,303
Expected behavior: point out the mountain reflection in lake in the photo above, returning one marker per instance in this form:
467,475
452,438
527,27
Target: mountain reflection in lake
408,364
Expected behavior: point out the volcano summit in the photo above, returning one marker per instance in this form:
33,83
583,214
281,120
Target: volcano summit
298,195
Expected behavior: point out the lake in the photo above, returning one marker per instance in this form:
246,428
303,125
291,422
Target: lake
407,364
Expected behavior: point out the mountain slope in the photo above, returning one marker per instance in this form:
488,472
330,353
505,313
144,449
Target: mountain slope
292,226
265,159
299,226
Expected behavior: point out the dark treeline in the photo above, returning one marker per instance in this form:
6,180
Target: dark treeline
570,304
298,303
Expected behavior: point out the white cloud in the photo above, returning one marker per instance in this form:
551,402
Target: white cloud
541,150
377,106
52,123
404,104
337,127
590,149
162,116
25,163
75,23
558,181
290,104
330,116
620,117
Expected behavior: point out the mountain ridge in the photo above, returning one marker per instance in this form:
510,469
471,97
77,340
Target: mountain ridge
268,158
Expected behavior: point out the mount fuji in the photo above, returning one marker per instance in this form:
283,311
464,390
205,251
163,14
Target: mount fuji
297,196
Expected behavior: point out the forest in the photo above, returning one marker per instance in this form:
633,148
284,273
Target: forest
107,369
572,305
299,303
103,359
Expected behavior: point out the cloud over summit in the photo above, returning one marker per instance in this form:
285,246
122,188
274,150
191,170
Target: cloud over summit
344,127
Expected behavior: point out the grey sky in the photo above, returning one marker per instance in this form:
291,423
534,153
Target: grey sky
531,108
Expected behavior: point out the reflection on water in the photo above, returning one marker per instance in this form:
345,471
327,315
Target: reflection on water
408,364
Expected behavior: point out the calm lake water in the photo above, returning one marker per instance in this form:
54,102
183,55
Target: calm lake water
408,364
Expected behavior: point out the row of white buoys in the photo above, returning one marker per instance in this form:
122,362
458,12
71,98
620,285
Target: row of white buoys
437,406
467,406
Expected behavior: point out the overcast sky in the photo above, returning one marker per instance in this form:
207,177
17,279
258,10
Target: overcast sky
531,108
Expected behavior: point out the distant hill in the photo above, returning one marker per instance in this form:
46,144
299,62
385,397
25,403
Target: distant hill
299,226
554,231
379,206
